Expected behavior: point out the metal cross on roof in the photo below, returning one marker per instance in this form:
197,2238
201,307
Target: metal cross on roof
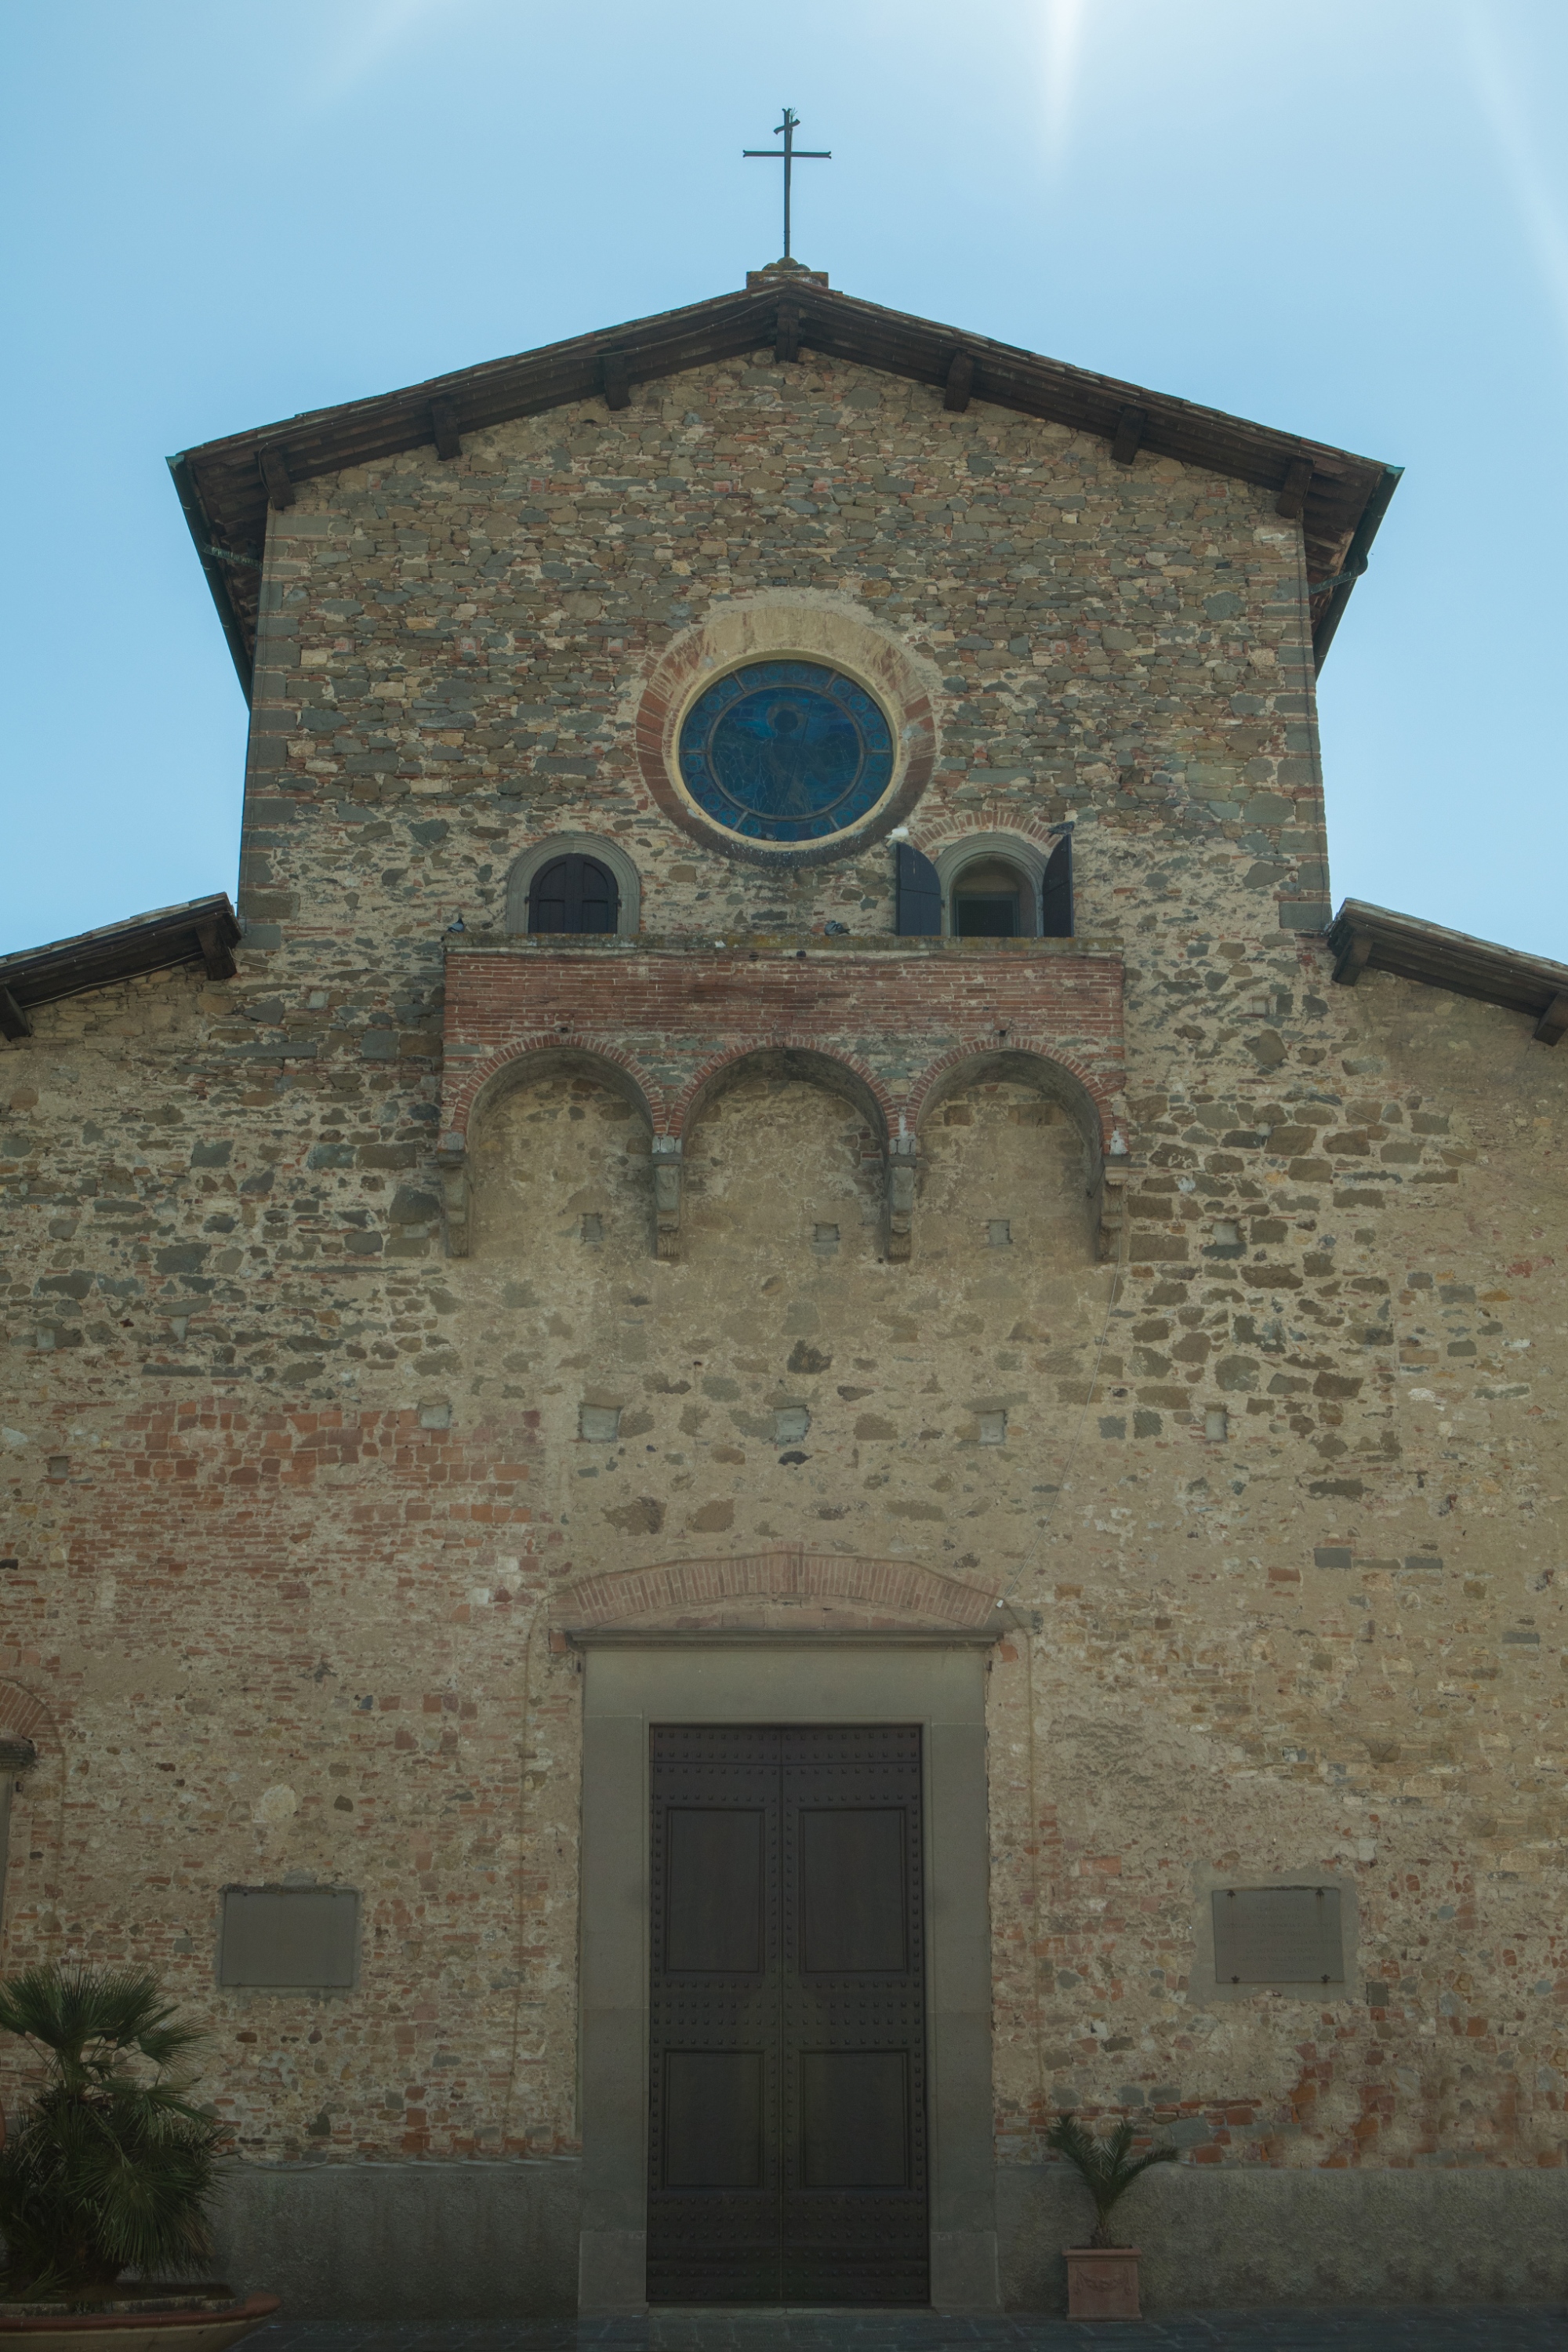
789,154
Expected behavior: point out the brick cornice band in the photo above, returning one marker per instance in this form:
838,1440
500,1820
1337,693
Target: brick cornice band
663,1027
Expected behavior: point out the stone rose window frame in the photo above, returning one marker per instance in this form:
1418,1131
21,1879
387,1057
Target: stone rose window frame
801,626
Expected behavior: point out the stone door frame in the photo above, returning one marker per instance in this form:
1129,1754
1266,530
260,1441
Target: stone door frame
635,1677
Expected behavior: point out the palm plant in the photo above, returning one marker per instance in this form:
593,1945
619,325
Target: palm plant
105,2170
1107,2166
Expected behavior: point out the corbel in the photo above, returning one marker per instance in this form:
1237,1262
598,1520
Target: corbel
901,1152
666,1195
1112,1211
617,380
1292,498
1351,961
1128,438
275,474
443,429
217,954
786,334
960,382
1552,1022
14,1022
452,1166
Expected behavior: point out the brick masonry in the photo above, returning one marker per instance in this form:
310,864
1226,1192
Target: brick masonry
296,1496
897,1023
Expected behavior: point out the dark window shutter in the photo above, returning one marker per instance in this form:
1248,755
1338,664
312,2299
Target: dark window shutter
573,893
1055,893
920,894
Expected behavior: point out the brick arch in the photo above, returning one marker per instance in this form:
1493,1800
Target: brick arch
941,829
24,1715
857,1082
1089,1094
787,1588
501,1069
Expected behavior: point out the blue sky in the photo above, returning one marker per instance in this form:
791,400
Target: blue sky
1349,220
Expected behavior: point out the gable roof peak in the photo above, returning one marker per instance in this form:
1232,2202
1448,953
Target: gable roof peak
225,486
786,271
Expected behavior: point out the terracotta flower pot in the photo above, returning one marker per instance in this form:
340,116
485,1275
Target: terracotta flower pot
199,2323
1102,2283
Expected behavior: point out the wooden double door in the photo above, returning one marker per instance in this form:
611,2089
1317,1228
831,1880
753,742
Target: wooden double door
788,2156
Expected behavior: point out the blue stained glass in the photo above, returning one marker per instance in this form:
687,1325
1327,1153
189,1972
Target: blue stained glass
785,751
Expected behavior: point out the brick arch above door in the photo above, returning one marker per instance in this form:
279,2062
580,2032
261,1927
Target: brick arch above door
25,1721
788,1591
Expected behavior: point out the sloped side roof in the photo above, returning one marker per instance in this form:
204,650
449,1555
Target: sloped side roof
199,930
225,486
1365,938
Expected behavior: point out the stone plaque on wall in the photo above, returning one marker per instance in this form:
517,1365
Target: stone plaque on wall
289,1938
1278,1935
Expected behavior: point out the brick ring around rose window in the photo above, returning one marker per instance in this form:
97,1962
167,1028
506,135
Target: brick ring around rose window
718,758
785,752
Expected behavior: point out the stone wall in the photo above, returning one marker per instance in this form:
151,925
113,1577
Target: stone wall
292,1491
452,656
1330,1644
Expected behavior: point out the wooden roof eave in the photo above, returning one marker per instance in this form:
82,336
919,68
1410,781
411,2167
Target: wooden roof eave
224,496
202,931
230,611
1329,610
1366,938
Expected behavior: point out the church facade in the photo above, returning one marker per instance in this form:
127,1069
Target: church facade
782,1417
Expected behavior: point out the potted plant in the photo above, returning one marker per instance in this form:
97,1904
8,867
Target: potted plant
1102,2277
109,2169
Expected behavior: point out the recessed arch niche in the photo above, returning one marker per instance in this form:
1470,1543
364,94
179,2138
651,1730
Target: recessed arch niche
560,1143
784,1149
1010,1139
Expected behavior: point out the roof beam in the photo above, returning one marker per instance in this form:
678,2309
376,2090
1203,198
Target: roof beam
616,380
14,1022
960,382
786,334
1351,961
1552,1022
215,951
1291,501
1129,434
443,429
275,474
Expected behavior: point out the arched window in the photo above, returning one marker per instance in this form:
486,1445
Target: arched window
987,886
573,893
573,882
